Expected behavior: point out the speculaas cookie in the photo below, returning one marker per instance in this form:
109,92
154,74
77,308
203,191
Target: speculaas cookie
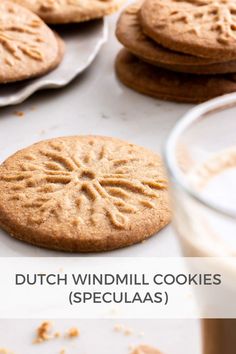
129,32
164,84
204,28
83,193
28,47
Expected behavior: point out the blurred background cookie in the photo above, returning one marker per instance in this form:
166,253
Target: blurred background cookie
145,349
69,11
29,48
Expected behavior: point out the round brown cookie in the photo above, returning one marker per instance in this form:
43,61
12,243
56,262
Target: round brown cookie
145,349
204,28
167,85
129,32
69,11
61,51
83,193
28,47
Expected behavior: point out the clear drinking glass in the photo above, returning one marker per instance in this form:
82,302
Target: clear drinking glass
201,161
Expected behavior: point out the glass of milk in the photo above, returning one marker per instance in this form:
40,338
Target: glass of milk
201,162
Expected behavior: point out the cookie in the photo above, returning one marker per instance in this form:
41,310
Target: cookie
167,85
28,47
61,52
69,11
83,193
202,28
145,349
129,32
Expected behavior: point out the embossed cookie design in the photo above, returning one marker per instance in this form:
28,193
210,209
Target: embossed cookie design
205,28
84,193
68,11
28,47
129,32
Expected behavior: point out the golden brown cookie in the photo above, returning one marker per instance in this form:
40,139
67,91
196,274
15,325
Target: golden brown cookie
204,28
129,32
83,193
145,349
28,47
61,52
69,11
167,85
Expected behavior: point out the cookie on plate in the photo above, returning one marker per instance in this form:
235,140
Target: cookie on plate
83,193
69,11
145,349
129,32
168,85
28,47
199,27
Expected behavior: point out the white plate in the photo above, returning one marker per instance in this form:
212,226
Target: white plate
83,43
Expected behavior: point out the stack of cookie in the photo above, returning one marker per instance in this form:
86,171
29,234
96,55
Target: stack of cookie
178,50
28,47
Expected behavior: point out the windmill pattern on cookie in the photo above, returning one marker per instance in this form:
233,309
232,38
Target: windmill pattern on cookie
13,47
218,16
89,184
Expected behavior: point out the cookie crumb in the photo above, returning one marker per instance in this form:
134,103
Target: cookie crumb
57,335
19,114
5,351
63,351
125,330
145,349
73,332
43,332
128,332
118,328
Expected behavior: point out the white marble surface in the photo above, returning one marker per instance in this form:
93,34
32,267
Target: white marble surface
99,337
95,103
